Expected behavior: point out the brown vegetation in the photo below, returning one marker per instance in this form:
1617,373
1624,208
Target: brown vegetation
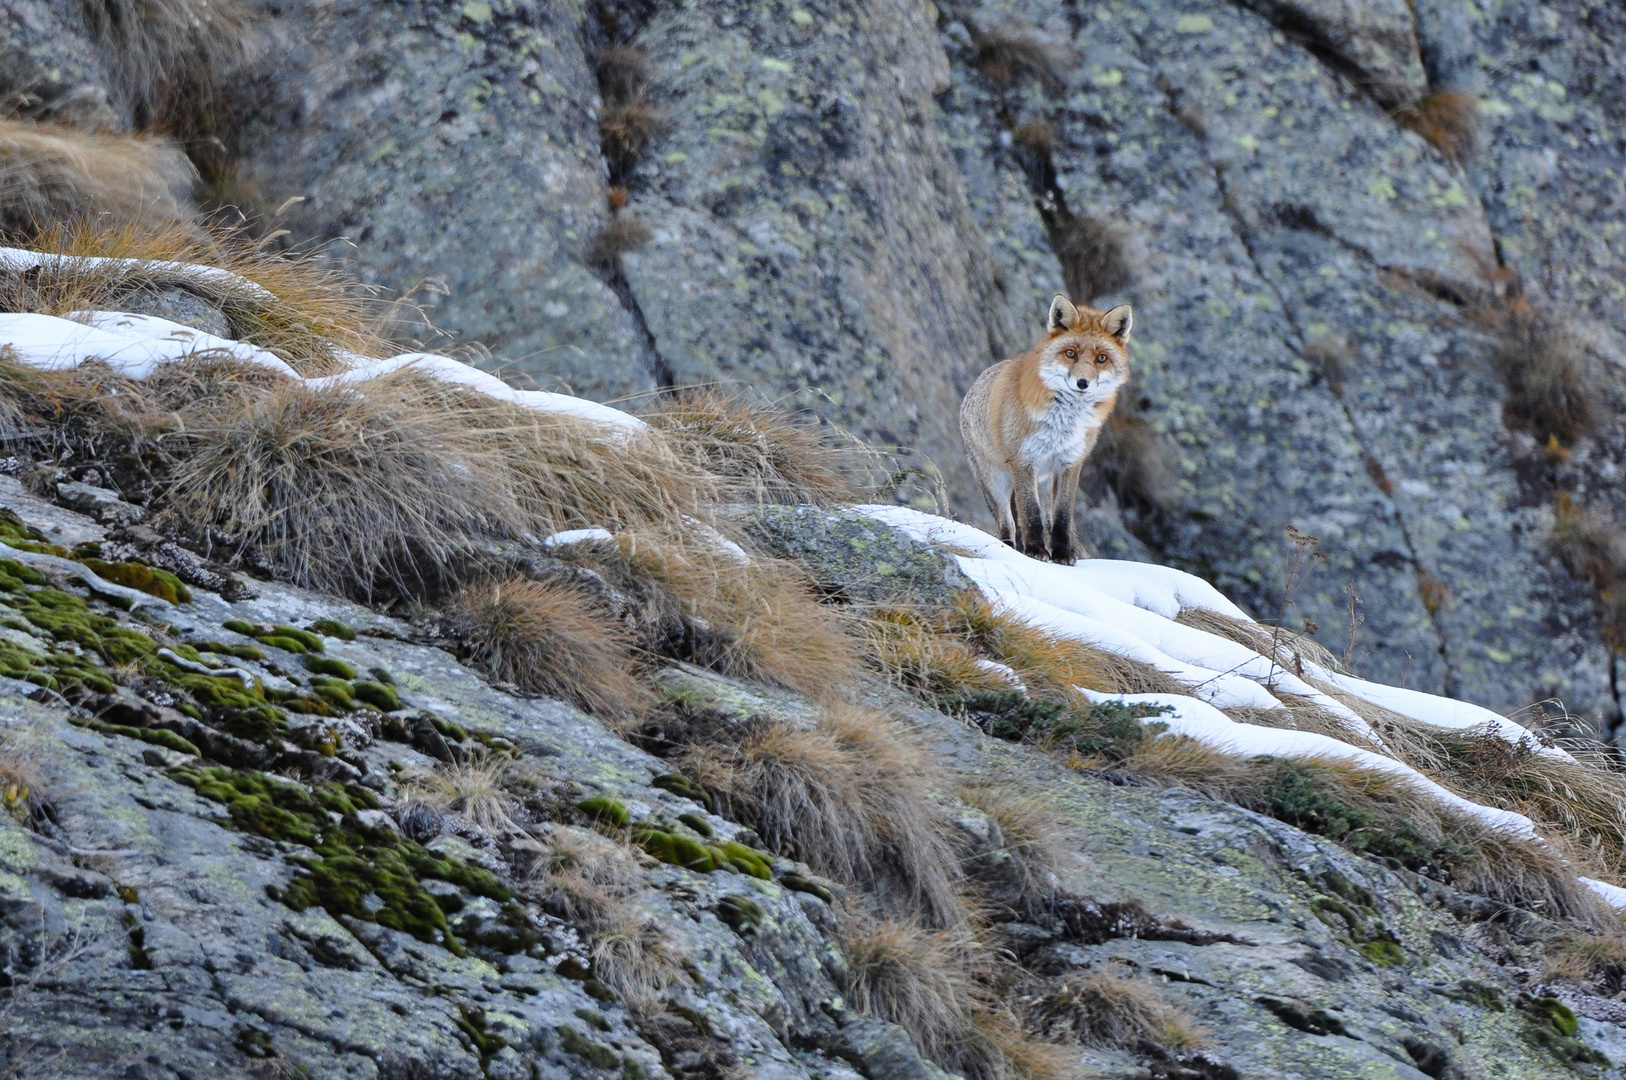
1554,389
54,174
622,232
1449,120
630,121
1593,549
1022,875
851,798
474,787
1010,55
1105,1010
764,453
551,637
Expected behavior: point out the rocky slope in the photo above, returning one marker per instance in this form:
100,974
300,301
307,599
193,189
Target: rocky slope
166,916
860,207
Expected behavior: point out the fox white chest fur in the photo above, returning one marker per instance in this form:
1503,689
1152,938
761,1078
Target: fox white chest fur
1029,423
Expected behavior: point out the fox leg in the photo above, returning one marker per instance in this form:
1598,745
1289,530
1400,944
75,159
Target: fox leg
996,488
1061,515
1030,528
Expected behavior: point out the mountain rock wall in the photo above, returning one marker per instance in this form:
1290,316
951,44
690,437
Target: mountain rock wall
858,207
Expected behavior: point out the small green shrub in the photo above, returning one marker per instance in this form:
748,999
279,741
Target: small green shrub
600,808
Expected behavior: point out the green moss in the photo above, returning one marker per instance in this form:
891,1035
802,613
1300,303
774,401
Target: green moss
332,628
1383,953
147,579
681,785
351,869
741,913
798,883
698,823
334,691
1326,908
156,736
327,665
746,860
239,626
1110,729
596,1054
680,850
473,1023
242,652
377,695
286,644
312,642
14,575
254,1043
600,808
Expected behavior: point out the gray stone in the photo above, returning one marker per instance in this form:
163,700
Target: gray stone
179,306
100,503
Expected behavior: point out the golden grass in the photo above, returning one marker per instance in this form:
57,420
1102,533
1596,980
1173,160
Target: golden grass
52,174
851,798
475,787
1109,1011
632,956
1555,390
1052,666
1386,815
582,876
777,632
914,655
1593,957
23,781
1448,119
764,453
1032,845
551,637
312,316
917,978
1593,550
1291,650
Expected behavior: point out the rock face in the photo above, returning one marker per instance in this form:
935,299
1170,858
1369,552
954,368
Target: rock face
859,207
151,920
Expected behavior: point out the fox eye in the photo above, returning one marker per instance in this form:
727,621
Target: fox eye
1072,354
1102,358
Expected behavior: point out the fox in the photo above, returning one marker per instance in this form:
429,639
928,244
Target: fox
1030,422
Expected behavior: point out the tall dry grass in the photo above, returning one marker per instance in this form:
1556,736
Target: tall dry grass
53,174
294,305
764,454
551,637
851,798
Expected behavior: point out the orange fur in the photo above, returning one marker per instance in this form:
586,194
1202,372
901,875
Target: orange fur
1030,422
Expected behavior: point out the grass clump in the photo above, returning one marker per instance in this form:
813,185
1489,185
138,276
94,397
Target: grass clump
1554,389
1010,55
763,453
1448,120
1030,846
551,637
1108,1011
475,787
630,122
54,174
851,798
622,232
1593,549
1109,730
766,623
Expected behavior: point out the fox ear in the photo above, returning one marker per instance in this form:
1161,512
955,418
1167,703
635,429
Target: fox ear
1062,314
1119,321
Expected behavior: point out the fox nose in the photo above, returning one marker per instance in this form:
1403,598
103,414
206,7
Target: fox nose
1083,384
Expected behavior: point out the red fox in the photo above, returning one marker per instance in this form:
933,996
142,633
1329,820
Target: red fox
1029,423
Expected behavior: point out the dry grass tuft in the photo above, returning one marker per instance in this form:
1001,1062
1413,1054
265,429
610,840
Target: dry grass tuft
1597,958
917,656
22,777
623,232
583,877
312,316
1593,549
632,956
53,174
622,72
1093,253
1109,1011
1290,649
474,788
917,978
551,637
1051,666
770,626
1032,842
1011,54
1554,388
626,131
1448,119
1383,815
764,453
851,798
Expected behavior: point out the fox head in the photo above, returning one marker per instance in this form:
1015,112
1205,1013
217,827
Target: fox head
1087,353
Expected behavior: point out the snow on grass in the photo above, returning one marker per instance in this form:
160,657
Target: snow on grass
1203,722
20,261
135,346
